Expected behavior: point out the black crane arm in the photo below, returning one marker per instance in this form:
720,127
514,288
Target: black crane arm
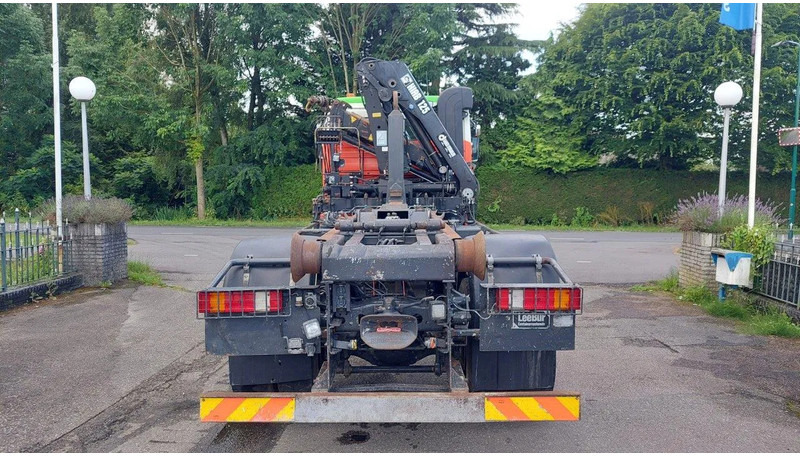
378,79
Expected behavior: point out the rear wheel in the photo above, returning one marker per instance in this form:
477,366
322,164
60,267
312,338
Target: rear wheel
510,371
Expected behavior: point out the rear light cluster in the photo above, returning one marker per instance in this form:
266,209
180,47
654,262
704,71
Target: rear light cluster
239,303
539,299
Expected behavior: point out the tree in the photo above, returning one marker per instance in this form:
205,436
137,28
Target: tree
640,79
488,58
25,94
189,40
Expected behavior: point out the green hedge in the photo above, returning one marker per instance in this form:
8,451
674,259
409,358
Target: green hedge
288,193
516,196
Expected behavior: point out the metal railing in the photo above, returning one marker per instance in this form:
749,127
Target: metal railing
780,278
30,252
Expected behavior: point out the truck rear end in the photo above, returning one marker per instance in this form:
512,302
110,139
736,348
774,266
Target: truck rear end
394,305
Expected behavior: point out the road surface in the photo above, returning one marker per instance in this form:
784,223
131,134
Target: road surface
122,369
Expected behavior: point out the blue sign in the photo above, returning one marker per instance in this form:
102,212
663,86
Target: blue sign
740,16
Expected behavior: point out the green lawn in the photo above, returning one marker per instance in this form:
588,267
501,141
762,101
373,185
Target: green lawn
279,223
302,222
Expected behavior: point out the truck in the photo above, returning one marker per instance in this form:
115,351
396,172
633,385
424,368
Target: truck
394,304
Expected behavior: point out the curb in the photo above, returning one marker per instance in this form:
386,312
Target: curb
19,296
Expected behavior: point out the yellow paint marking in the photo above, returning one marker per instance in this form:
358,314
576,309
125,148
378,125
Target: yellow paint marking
491,413
572,404
208,404
247,409
532,409
287,413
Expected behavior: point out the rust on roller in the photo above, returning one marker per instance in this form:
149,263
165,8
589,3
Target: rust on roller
305,257
471,255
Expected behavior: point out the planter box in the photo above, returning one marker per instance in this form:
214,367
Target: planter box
99,252
697,267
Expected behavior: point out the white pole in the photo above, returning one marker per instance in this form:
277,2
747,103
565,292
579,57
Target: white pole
87,181
723,163
57,118
751,200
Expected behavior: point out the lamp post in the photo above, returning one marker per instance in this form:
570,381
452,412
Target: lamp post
726,95
794,149
83,90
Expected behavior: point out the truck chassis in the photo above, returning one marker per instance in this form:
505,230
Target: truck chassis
395,304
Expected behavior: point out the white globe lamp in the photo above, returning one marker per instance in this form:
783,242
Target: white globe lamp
728,94
83,90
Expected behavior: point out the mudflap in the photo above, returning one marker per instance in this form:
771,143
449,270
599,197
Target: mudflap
271,369
510,371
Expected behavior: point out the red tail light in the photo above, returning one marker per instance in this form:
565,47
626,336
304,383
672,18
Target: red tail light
231,303
539,299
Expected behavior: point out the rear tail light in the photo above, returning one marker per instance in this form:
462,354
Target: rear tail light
539,299
233,303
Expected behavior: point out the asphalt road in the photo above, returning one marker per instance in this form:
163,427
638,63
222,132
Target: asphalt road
121,369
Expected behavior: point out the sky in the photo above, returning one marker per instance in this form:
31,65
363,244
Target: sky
536,20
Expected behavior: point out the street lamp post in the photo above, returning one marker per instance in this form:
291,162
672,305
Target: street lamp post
83,90
793,192
726,95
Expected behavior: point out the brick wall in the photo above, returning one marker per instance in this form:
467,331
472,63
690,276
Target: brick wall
99,252
697,267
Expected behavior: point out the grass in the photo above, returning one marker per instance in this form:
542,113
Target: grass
141,272
277,223
740,306
668,284
637,228
793,407
301,222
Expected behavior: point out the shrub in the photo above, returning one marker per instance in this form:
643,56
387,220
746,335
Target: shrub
758,240
582,217
76,209
646,212
611,216
701,213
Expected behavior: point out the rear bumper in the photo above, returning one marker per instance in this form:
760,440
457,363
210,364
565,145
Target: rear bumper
453,407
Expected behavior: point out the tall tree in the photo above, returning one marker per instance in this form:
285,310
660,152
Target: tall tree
189,41
488,57
24,80
639,79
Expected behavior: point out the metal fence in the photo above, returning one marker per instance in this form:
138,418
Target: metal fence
30,252
780,278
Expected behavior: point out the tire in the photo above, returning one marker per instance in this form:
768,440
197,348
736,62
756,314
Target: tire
509,371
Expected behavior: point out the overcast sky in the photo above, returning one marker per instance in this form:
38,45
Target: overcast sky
536,20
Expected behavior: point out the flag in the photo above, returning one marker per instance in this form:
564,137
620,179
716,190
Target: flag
740,16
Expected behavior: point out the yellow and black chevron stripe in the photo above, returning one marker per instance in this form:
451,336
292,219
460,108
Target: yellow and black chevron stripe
250,409
540,408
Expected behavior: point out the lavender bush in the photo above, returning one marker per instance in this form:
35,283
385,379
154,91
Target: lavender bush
700,213
97,210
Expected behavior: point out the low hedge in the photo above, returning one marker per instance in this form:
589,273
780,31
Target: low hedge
514,196
526,196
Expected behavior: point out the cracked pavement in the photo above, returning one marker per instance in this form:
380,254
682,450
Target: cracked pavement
122,369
